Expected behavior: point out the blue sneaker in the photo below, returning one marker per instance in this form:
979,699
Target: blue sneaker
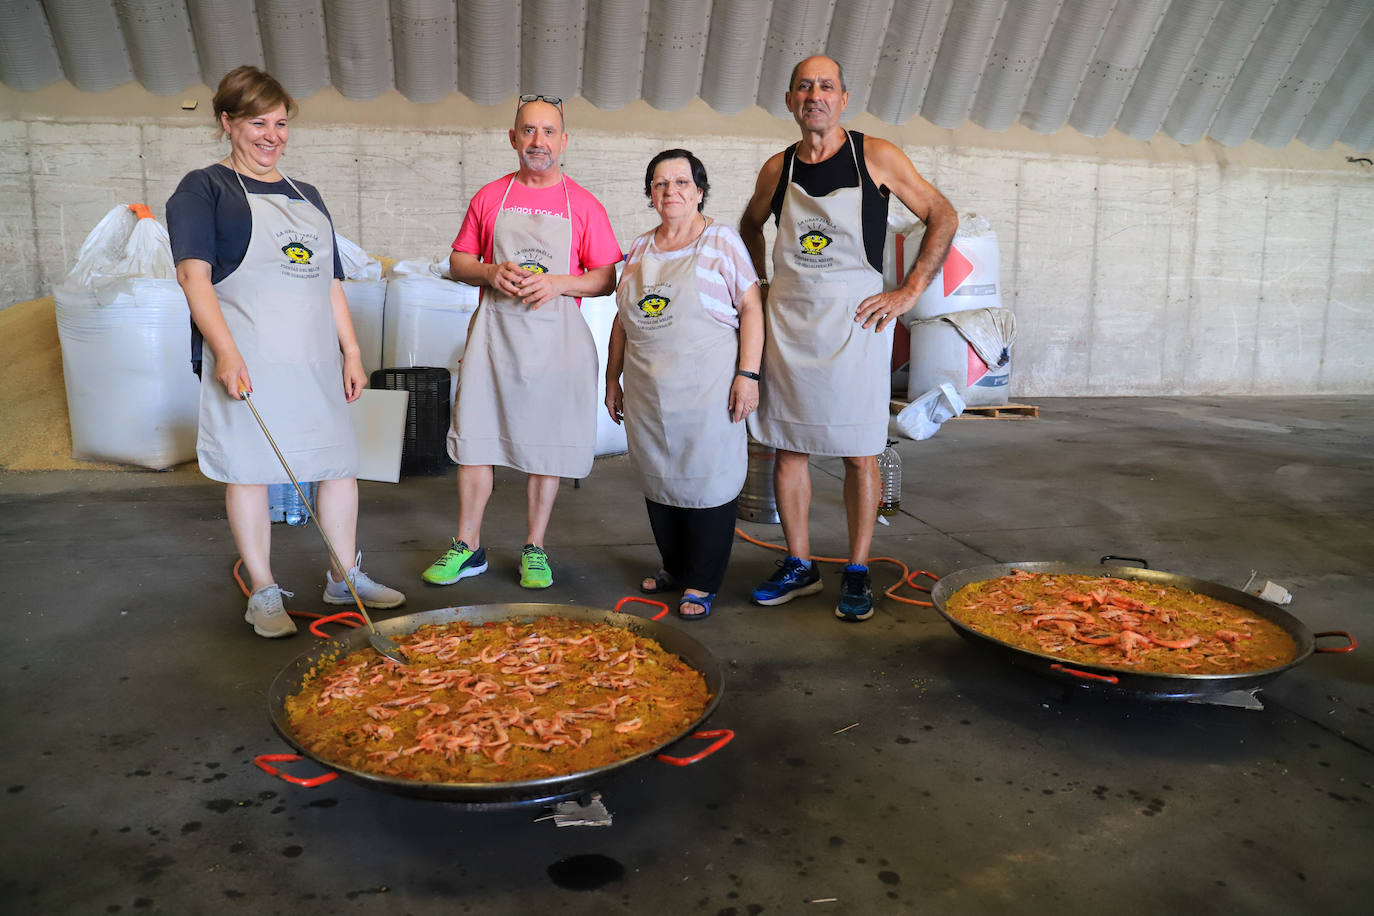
792,580
856,594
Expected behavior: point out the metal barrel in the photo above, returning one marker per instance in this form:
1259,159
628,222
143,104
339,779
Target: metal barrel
757,502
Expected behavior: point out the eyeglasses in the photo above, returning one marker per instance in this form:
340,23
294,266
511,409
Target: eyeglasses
681,184
551,99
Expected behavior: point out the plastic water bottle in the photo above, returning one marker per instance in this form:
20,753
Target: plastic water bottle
890,471
296,513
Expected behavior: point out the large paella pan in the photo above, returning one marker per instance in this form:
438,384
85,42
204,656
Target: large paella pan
499,794
1123,680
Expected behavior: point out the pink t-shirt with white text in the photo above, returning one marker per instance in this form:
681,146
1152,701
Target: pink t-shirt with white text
593,240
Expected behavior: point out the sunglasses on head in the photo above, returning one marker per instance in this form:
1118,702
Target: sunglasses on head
551,99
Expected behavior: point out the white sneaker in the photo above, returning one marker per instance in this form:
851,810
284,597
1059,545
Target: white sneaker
372,593
266,613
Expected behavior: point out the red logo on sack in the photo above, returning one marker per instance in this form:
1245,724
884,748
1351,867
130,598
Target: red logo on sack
957,269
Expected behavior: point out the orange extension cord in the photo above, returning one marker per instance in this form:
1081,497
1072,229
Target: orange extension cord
908,577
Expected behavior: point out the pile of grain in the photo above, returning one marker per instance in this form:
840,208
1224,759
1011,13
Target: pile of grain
35,430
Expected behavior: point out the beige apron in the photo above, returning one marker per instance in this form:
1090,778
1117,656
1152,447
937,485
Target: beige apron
527,382
826,380
679,366
276,304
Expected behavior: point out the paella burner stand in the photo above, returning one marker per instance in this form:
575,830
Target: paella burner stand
1239,699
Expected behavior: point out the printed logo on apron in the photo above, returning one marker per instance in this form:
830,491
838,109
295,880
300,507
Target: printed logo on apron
535,260
818,232
653,304
298,247
297,252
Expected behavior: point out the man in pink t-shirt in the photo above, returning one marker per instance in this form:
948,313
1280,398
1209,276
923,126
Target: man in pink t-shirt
535,242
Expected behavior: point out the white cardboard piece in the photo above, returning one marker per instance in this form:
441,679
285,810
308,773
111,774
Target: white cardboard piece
379,422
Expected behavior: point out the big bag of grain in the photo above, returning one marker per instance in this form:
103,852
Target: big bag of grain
366,292
427,316
599,312
960,333
124,330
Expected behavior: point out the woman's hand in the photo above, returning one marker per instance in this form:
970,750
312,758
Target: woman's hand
615,401
744,398
232,373
354,378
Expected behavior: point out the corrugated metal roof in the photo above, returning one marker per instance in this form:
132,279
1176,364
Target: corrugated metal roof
1232,70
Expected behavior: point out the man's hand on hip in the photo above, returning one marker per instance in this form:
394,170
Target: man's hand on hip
884,308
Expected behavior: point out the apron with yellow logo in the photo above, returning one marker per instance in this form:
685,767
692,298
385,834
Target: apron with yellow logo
826,380
679,366
527,383
277,306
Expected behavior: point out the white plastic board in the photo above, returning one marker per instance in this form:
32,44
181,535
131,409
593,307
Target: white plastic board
379,422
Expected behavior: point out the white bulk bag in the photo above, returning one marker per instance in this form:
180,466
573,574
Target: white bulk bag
357,263
967,280
366,292
951,350
367,307
131,395
125,331
426,319
599,312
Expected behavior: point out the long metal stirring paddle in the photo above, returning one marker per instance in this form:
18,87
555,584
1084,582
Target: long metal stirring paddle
378,641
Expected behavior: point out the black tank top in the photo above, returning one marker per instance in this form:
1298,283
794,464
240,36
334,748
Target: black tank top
820,178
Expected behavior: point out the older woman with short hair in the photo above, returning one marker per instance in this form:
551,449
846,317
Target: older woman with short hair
688,338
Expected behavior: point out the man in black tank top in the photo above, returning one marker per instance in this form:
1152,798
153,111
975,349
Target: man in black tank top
819,255
820,178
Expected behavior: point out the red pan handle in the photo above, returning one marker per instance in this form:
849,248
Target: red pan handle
265,761
723,737
1354,644
1086,675
629,598
348,618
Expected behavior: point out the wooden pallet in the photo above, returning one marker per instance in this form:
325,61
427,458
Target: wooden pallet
1000,412
986,412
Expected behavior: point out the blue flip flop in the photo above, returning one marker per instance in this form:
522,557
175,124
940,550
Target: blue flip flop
702,601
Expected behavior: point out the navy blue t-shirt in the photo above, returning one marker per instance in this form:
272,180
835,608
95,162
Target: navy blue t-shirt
208,219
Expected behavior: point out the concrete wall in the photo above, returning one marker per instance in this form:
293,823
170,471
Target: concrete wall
1132,268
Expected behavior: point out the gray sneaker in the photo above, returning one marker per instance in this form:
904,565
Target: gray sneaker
373,594
266,613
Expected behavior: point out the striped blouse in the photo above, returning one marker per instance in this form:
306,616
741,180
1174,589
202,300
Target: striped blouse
724,271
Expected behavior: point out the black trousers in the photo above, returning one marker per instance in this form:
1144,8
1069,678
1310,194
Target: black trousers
694,543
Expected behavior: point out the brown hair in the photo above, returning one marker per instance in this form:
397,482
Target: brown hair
246,92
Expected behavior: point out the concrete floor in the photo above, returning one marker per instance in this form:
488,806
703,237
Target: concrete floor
887,767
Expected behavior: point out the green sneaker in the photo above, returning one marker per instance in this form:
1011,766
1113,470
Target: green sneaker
458,562
534,568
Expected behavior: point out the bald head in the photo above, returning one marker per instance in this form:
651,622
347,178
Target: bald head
818,65
538,110
538,139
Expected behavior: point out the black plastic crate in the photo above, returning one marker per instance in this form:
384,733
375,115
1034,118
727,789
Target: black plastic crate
424,450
